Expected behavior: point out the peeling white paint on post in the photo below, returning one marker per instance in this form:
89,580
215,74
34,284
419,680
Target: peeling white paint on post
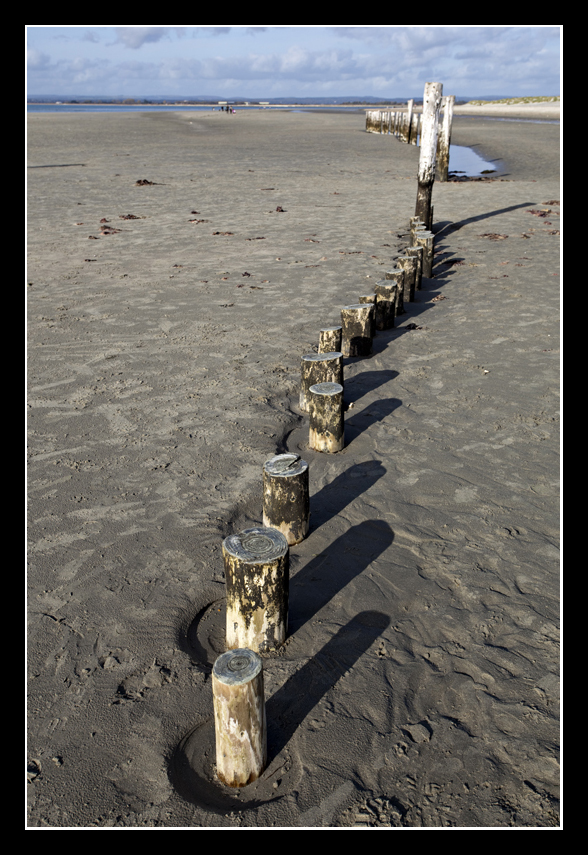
286,500
326,421
445,137
330,339
428,154
239,717
356,322
257,583
319,368
414,129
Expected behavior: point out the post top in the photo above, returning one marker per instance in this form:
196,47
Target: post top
256,545
321,357
326,388
285,465
237,667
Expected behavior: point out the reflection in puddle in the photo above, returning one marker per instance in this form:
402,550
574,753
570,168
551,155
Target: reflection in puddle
465,161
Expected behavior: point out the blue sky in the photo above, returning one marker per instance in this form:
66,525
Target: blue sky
275,62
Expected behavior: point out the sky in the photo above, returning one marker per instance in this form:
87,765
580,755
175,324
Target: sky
277,62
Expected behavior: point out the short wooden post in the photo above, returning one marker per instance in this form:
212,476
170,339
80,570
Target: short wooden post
445,137
239,717
285,496
426,240
257,583
370,298
408,265
428,153
397,276
385,304
357,325
319,368
327,425
329,340
417,252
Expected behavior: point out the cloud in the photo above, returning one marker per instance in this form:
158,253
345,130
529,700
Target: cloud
136,37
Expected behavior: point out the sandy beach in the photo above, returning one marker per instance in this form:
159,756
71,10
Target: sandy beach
179,267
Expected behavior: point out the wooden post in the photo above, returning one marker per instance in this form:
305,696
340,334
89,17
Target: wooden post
385,304
417,252
426,240
369,298
408,265
330,340
319,368
409,120
445,137
327,426
414,129
239,717
397,276
257,582
430,133
285,496
356,322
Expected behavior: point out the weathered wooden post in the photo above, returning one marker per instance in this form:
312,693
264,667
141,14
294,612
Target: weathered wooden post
426,240
369,298
285,496
445,137
408,264
330,339
356,322
409,117
239,717
397,276
417,252
257,584
414,129
327,424
319,368
385,304
427,159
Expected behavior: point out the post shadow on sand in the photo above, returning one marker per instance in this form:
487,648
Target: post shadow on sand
291,704
344,489
315,584
377,411
448,226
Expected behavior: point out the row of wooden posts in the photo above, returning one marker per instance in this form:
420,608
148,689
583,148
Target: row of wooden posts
256,560
407,126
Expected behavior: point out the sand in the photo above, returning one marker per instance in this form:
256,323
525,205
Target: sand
166,322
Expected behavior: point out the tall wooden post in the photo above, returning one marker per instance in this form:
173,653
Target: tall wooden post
445,137
409,119
257,574
428,153
239,717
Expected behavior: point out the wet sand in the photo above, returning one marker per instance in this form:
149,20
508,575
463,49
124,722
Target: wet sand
166,322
